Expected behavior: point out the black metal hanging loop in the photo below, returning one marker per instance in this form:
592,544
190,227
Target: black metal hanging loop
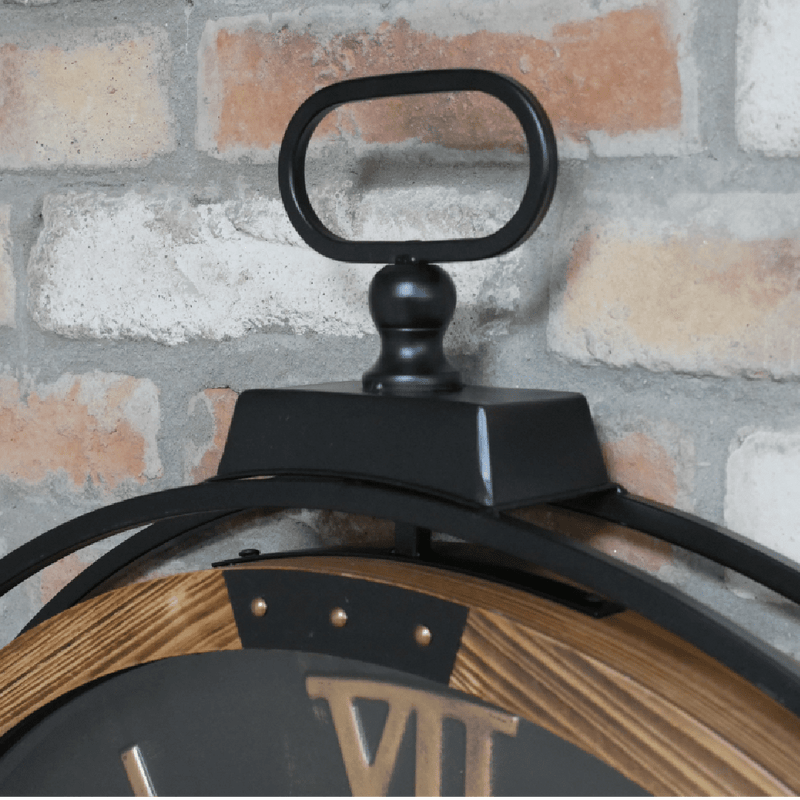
543,166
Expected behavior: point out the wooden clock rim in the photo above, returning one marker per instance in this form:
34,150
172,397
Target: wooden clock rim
663,713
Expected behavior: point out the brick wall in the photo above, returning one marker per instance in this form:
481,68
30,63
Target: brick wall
148,273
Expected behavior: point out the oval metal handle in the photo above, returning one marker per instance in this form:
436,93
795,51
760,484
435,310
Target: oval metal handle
542,156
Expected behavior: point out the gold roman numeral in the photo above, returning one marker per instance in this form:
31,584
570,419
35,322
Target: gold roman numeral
372,777
136,770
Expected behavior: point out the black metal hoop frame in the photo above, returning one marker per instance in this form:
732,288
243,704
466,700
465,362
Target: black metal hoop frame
188,508
543,166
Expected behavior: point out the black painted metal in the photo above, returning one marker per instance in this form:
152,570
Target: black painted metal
415,547
147,542
380,624
543,166
412,300
412,305
757,662
412,541
241,723
694,534
473,560
503,448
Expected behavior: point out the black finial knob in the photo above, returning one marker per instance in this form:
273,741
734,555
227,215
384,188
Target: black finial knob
412,303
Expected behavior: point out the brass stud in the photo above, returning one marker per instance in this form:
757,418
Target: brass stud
422,635
338,617
259,607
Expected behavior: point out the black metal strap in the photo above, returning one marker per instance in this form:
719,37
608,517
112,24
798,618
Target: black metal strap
299,607
694,534
543,166
147,542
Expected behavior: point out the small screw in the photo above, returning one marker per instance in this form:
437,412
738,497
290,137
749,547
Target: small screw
249,552
338,617
422,635
259,607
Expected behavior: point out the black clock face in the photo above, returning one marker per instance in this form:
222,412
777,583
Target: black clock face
261,722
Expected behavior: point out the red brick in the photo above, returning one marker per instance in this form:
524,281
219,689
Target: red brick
79,101
643,467
652,458
658,465
707,285
205,461
657,462
632,547
98,428
54,578
616,73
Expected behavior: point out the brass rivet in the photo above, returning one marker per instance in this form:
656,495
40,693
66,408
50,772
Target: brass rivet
422,635
338,617
259,607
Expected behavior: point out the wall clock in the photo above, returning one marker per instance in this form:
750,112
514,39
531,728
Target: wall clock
512,661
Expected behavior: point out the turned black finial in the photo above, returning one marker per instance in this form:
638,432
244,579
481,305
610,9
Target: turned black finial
412,303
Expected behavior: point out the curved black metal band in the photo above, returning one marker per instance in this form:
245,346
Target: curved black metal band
694,534
543,166
758,663
662,522
146,542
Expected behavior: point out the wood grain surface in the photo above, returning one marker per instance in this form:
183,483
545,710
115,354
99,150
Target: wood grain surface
641,699
178,615
656,708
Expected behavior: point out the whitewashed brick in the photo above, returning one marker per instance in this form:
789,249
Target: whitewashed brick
768,76
7,282
705,284
762,499
157,267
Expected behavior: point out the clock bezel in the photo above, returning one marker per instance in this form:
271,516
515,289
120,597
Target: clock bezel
620,687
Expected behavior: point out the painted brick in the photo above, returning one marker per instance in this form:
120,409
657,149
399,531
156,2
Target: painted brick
615,80
184,271
768,76
84,101
651,459
268,531
704,284
7,283
202,462
643,466
54,578
654,459
97,428
762,500
627,545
